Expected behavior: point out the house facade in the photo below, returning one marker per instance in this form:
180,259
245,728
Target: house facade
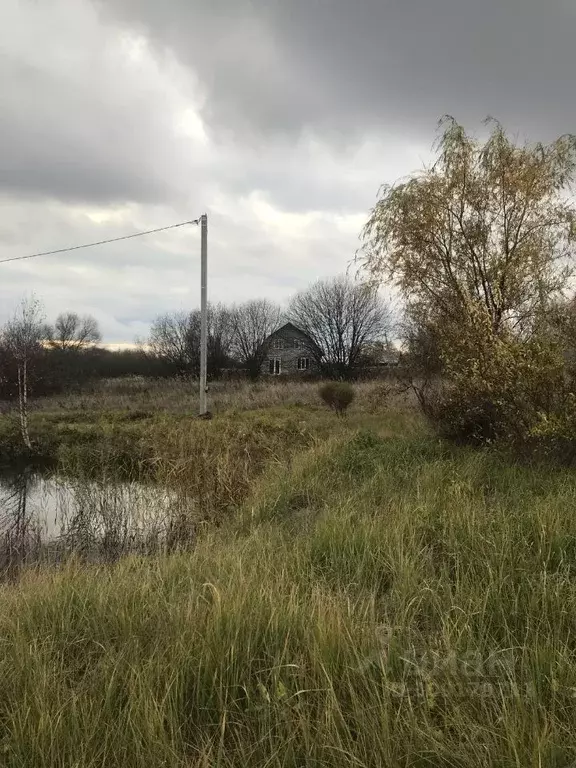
289,353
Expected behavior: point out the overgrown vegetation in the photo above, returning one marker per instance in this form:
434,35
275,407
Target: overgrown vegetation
103,458
481,247
128,419
385,602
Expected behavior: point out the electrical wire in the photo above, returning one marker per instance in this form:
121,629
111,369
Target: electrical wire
100,242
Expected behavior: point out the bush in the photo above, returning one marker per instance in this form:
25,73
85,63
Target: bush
471,418
498,387
337,395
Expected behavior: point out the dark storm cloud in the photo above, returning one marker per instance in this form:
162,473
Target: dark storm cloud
77,121
100,136
59,140
306,106
348,67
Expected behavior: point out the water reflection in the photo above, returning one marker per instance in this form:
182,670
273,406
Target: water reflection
17,529
46,517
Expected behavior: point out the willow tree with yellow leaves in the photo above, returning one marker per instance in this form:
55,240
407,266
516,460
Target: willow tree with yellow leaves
480,244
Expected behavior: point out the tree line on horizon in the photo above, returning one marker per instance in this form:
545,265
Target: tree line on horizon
348,323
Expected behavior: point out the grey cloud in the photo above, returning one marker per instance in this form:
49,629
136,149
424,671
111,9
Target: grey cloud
95,132
126,284
99,133
344,69
309,106
63,143
76,122
301,178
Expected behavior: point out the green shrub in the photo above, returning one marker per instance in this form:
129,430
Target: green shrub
471,418
337,395
496,386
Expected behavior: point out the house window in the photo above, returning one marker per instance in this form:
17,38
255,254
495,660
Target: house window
303,363
277,343
298,344
274,366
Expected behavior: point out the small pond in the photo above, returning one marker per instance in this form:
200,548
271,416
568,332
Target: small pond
45,516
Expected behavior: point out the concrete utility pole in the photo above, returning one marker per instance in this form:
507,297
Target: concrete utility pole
203,314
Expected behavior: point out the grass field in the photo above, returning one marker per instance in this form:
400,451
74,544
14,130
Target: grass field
366,596
180,396
121,418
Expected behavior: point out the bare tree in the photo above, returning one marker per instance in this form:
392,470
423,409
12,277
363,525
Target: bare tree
254,321
170,340
175,339
341,317
72,332
23,337
220,339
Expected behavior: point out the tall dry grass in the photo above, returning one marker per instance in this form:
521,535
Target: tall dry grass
106,460
378,601
181,396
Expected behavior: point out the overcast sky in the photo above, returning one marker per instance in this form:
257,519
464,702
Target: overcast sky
279,118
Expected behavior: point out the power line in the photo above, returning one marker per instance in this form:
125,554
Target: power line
100,242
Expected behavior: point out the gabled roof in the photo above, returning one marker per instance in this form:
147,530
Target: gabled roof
291,328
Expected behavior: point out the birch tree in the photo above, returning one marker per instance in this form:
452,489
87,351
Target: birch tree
23,336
